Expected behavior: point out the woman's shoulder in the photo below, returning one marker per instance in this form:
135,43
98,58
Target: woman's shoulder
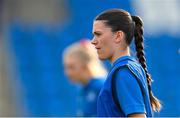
124,73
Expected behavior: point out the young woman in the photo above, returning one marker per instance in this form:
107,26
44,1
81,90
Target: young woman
82,66
127,90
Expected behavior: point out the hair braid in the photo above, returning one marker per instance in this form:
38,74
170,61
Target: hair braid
139,43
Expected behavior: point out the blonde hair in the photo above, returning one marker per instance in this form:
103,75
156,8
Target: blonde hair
86,54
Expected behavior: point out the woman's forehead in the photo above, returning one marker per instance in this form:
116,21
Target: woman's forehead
100,25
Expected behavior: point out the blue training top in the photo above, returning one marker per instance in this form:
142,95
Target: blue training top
87,100
130,88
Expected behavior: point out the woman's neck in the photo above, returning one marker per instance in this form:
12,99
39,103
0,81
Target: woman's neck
118,54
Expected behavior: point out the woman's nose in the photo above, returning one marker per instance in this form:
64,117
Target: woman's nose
94,41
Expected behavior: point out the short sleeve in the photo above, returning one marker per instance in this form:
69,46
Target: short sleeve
128,92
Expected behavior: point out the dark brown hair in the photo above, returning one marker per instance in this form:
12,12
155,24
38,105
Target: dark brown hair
132,26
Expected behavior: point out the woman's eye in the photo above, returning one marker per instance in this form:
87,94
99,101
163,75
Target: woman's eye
97,34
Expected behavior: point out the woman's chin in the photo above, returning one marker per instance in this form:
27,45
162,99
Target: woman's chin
101,58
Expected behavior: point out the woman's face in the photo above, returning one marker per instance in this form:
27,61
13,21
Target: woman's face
103,40
73,68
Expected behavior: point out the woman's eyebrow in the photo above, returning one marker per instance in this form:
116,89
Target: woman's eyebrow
96,32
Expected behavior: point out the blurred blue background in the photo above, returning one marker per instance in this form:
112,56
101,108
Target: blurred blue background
34,33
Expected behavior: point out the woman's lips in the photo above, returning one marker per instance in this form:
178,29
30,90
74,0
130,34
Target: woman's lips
97,48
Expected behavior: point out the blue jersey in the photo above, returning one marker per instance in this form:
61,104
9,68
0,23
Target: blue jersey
88,97
130,88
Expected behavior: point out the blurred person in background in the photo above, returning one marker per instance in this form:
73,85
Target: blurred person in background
83,67
127,90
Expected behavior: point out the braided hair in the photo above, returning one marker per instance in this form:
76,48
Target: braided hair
139,43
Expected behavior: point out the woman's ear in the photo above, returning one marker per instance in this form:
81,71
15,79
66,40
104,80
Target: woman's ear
119,36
